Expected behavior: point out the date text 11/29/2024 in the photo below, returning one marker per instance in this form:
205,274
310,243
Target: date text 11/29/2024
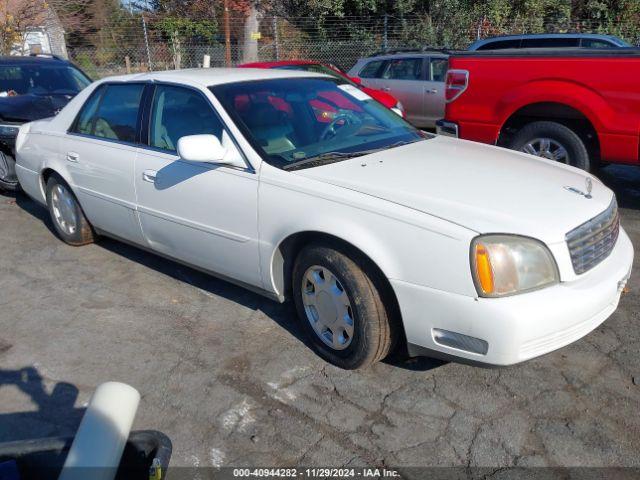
316,472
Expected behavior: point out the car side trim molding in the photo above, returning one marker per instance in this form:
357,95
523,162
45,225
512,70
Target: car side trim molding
260,291
332,198
164,216
197,226
108,198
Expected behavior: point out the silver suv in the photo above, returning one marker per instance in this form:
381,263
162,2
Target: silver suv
414,77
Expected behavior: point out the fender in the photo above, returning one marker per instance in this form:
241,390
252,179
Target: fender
572,94
58,165
381,224
36,153
368,244
61,173
617,133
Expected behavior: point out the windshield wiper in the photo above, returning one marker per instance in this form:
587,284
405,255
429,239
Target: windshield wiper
330,157
323,159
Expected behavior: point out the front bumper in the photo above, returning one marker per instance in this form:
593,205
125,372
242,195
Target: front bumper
450,129
519,327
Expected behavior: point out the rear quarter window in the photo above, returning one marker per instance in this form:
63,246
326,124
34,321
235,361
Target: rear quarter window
595,43
84,122
550,42
438,69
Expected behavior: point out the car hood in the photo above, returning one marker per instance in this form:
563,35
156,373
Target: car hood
27,108
480,187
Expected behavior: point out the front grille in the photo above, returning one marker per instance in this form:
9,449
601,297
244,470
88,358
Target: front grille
592,242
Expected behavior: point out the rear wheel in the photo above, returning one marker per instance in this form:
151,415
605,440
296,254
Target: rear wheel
8,177
553,141
340,307
68,219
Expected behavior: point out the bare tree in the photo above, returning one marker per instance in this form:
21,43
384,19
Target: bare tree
181,21
17,18
80,16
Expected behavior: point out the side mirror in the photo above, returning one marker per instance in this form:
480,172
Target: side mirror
202,148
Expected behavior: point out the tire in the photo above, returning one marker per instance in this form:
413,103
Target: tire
570,141
8,178
373,329
65,206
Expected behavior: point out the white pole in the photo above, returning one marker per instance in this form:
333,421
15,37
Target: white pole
98,445
206,61
146,42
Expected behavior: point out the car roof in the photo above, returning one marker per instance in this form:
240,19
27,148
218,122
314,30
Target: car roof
279,63
409,53
214,76
32,60
552,35
529,36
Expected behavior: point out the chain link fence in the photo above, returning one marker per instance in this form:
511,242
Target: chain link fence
143,44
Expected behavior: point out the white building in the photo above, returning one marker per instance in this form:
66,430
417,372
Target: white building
48,37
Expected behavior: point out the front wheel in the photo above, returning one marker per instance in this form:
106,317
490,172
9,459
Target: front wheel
553,141
8,177
341,307
68,218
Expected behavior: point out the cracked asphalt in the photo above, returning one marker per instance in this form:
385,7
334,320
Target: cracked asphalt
227,376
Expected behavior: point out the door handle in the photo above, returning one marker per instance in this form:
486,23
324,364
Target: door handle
385,89
149,176
432,91
73,157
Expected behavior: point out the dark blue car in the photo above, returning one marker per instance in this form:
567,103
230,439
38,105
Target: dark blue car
31,88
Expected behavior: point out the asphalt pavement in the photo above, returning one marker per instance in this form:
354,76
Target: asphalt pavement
226,374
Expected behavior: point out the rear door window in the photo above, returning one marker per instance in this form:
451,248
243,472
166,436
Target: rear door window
116,115
403,69
500,44
555,42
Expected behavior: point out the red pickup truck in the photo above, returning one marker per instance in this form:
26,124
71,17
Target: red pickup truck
581,107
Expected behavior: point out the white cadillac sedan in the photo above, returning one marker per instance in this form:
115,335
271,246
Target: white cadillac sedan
299,186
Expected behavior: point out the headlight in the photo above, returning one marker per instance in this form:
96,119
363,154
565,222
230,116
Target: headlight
399,109
507,264
9,130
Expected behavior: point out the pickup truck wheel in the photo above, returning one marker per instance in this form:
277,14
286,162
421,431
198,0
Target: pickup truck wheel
553,141
68,219
340,307
8,177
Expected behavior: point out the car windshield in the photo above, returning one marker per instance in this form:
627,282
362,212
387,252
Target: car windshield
41,80
307,122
